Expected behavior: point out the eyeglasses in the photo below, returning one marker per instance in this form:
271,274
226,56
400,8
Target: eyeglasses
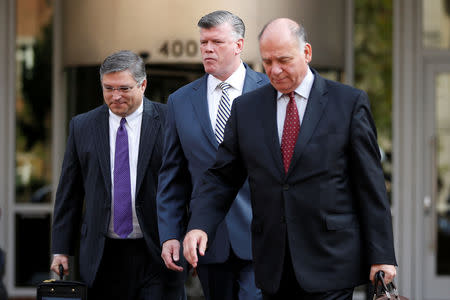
122,89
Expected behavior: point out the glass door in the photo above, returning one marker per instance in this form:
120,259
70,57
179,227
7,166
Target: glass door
30,206
436,277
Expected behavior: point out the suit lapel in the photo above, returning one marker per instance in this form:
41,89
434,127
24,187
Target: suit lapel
102,144
199,100
314,109
268,111
149,132
252,80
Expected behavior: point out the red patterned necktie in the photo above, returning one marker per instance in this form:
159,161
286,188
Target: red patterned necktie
291,129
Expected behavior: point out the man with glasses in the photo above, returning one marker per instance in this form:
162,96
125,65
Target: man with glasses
196,118
107,191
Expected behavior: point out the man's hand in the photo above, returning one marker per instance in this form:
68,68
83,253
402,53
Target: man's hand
194,239
171,254
389,272
60,259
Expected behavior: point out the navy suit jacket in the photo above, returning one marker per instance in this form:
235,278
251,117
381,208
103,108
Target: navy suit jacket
86,181
331,208
189,150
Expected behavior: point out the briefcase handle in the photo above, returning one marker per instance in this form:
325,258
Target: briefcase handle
389,290
61,272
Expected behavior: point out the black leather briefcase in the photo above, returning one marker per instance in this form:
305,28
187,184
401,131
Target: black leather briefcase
61,289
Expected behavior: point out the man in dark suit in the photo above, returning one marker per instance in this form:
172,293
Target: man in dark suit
321,218
107,190
196,118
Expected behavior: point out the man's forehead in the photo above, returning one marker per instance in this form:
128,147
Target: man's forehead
121,73
276,57
124,75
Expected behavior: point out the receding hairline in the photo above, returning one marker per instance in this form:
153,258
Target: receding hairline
288,23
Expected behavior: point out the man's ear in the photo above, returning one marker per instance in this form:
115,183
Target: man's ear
308,53
239,46
144,85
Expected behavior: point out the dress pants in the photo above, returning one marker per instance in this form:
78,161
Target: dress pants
290,288
232,280
127,272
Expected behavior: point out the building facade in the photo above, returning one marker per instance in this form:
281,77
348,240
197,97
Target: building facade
39,95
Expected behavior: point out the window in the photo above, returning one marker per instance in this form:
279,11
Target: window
31,207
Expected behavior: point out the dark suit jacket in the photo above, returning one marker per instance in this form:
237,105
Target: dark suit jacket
86,181
330,210
190,149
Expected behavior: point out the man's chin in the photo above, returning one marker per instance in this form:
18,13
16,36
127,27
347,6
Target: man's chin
119,112
209,67
280,88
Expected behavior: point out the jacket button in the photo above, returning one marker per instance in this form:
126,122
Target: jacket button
286,187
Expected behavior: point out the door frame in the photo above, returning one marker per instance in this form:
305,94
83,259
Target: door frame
8,135
409,144
431,282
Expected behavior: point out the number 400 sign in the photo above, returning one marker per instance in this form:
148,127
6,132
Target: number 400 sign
179,48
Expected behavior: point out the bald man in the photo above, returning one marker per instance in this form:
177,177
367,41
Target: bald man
321,218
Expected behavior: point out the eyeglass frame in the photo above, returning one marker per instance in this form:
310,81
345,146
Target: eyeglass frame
120,89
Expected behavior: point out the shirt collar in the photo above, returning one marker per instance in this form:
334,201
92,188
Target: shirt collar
304,89
131,119
236,80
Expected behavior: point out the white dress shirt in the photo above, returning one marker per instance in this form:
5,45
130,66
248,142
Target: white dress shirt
133,126
301,99
236,81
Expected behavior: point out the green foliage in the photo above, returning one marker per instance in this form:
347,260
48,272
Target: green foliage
373,60
34,122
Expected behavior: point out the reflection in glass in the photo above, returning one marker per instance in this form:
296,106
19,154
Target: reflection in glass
443,173
33,101
436,24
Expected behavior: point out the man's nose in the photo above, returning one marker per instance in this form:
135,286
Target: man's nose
276,69
208,46
116,94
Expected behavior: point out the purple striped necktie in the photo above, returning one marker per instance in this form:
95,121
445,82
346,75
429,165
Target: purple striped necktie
123,218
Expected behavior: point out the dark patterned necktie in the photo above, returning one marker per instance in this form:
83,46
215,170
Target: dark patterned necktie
123,218
223,113
291,129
